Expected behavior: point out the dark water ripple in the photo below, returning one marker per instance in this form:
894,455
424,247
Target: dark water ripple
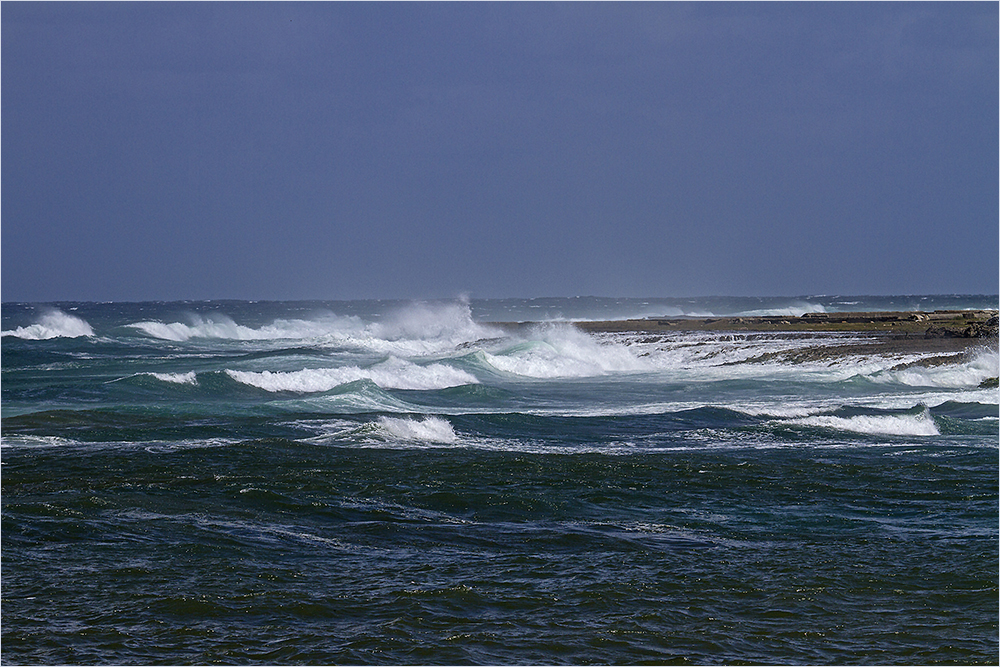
275,551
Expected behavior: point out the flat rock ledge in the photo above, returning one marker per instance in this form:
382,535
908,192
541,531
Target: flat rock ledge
937,324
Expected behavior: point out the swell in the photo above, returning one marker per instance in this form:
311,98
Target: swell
355,425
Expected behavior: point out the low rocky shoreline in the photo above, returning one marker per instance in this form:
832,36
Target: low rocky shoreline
937,324
943,324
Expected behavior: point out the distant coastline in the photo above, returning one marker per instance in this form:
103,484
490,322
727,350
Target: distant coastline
937,324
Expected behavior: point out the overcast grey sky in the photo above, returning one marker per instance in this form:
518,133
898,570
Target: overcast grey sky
382,150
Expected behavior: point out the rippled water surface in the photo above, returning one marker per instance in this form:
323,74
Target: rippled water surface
402,483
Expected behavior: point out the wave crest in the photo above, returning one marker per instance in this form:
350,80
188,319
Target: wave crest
416,329
429,429
223,327
391,374
177,378
919,425
53,324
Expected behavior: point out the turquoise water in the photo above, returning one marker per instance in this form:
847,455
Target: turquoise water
388,482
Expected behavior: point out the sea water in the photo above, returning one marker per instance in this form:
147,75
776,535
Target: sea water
405,483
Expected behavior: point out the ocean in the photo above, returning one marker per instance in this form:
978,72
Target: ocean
390,482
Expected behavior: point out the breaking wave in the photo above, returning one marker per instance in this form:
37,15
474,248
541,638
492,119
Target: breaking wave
429,429
450,322
223,327
391,374
969,373
177,378
383,431
53,324
564,352
415,329
915,425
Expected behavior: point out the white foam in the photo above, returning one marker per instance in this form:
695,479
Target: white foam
917,425
178,331
562,352
53,324
177,378
36,441
785,409
384,432
725,352
970,373
706,356
429,429
391,374
450,322
418,329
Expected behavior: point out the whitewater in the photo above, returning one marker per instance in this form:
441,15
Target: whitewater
419,482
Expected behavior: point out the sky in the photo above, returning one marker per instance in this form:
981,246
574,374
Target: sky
164,151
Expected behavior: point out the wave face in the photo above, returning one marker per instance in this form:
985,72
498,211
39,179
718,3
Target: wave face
357,482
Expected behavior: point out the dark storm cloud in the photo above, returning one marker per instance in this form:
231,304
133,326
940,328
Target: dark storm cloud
160,150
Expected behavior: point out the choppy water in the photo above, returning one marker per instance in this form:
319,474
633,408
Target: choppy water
369,482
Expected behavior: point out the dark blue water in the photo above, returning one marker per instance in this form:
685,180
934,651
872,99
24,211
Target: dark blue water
389,483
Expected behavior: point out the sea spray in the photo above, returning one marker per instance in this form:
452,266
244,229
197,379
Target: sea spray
560,351
794,310
416,329
450,322
53,324
219,326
